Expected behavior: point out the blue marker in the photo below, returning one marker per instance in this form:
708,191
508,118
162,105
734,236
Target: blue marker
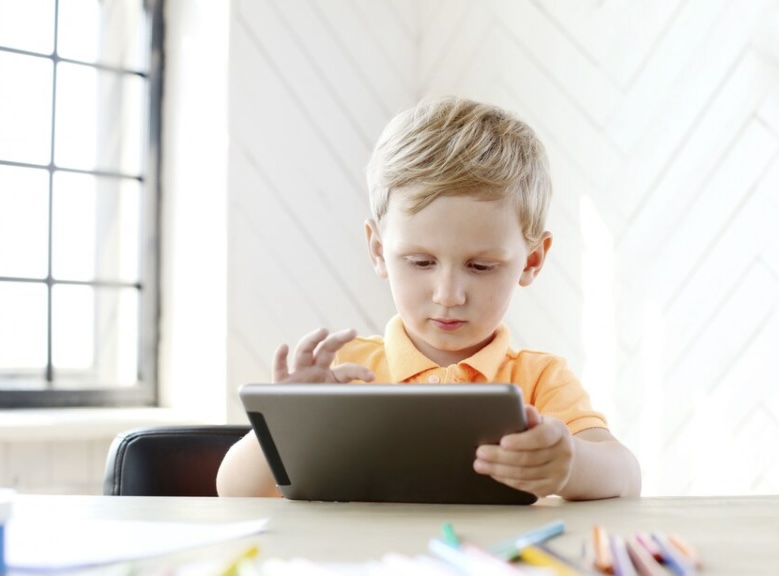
511,549
5,514
673,560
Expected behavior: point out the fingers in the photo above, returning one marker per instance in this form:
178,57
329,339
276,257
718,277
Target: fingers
532,416
280,369
502,469
348,371
327,348
516,459
304,351
319,347
541,478
543,434
538,460
313,357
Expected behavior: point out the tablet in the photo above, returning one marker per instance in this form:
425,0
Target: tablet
384,442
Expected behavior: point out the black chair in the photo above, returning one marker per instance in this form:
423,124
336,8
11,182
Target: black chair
168,460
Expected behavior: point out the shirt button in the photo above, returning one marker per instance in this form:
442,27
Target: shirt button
433,379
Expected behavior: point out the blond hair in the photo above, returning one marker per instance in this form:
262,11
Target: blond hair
457,147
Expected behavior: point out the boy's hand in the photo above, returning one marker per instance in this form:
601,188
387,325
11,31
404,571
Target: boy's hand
538,460
313,357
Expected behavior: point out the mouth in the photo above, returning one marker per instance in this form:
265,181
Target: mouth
447,324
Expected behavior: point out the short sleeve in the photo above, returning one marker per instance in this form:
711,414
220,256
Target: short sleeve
558,392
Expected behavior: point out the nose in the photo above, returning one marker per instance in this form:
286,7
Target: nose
449,290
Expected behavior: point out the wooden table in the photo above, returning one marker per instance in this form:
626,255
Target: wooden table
734,535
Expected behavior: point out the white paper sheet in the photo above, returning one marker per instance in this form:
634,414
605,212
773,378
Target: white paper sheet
44,545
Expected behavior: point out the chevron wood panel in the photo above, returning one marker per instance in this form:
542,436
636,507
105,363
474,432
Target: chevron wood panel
661,121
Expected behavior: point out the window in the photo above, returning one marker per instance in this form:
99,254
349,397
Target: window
80,91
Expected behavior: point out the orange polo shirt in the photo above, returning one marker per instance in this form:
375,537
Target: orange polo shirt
545,380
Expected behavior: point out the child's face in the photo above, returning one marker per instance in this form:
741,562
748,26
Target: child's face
453,268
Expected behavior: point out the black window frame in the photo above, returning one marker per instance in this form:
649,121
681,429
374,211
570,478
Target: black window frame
145,390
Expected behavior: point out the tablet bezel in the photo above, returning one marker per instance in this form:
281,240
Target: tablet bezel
384,442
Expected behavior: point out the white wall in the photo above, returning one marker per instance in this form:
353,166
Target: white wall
662,124
70,466
311,85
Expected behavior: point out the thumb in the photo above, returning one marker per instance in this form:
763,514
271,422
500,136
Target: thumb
532,417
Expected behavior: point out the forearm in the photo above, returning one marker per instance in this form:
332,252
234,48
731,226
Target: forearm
244,471
602,468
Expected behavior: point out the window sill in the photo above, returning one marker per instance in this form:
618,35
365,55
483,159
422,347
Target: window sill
42,425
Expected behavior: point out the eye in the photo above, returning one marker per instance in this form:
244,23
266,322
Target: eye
482,267
420,262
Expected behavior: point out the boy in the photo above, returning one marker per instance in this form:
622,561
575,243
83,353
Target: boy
459,194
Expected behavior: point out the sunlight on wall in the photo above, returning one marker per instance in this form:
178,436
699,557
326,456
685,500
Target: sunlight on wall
652,401
193,324
598,331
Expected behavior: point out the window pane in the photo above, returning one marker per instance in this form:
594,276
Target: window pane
111,32
100,120
24,218
96,228
27,25
23,322
73,327
75,138
25,108
95,336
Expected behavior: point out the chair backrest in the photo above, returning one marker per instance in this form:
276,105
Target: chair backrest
168,460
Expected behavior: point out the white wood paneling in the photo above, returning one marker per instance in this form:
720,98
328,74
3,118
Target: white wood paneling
662,125
55,467
311,88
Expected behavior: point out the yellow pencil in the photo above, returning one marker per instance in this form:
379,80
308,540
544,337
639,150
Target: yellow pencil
539,557
234,568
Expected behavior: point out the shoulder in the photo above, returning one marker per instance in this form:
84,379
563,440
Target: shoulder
539,374
552,387
542,364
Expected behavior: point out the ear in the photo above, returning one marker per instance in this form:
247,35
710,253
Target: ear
375,247
535,259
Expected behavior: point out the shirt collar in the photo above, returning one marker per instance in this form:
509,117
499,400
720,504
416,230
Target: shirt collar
489,359
405,361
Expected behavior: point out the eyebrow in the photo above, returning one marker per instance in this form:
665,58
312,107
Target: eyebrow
497,254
